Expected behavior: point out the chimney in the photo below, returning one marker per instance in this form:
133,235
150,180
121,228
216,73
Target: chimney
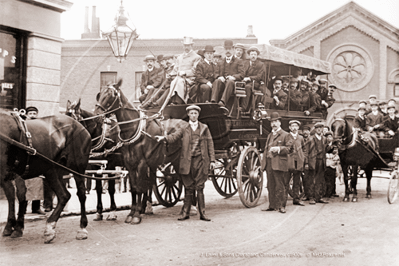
95,29
86,26
94,33
250,33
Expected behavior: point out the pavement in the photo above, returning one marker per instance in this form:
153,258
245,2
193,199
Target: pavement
122,200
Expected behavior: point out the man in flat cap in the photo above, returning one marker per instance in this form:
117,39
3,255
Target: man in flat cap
296,158
383,108
376,120
279,96
275,162
239,51
217,58
196,158
391,122
151,79
230,70
315,163
253,75
286,84
361,121
205,75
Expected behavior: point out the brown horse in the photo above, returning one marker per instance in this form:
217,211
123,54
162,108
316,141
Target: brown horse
59,138
140,151
104,136
355,150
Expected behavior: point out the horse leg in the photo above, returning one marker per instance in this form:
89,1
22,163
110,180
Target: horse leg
81,193
354,183
346,181
99,192
21,191
9,190
136,217
132,176
111,190
369,175
152,176
54,179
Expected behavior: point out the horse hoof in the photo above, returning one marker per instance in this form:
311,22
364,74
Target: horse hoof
129,219
16,233
49,236
346,199
368,196
354,199
82,234
99,217
111,217
136,220
148,209
7,231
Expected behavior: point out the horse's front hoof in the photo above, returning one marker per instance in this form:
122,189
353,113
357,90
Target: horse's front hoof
7,231
129,219
99,217
49,235
111,217
136,220
82,234
17,233
148,209
354,199
368,196
346,199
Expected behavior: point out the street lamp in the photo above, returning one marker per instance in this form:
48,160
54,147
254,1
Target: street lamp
121,36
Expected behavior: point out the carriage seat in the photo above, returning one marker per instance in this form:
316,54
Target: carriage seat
239,92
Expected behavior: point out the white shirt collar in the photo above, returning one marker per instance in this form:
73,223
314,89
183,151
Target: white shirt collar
318,136
194,125
228,59
151,69
294,135
206,60
275,132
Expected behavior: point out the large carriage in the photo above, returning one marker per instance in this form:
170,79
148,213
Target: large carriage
239,137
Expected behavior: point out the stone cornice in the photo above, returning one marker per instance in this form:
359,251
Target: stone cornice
351,7
56,5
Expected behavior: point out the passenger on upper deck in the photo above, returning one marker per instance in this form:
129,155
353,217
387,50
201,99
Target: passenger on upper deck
376,119
185,69
150,79
304,97
391,122
286,83
383,108
295,97
205,74
253,74
323,90
239,51
230,70
315,99
279,96
328,101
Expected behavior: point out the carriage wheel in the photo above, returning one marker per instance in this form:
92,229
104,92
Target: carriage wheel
249,176
224,177
168,185
393,188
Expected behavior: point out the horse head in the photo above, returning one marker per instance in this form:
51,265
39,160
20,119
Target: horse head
73,110
109,98
342,132
86,118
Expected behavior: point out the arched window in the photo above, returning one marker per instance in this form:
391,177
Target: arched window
396,86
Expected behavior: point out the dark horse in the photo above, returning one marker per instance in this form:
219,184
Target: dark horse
355,150
59,138
104,136
141,152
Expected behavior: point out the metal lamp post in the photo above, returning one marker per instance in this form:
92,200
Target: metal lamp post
121,36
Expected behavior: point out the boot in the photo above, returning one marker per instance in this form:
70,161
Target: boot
201,205
187,206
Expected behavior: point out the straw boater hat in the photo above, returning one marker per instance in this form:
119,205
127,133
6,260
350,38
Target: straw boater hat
187,40
31,108
193,107
274,116
295,122
319,124
149,57
253,48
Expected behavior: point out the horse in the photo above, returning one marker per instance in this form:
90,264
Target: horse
353,153
140,151
60,139
106,137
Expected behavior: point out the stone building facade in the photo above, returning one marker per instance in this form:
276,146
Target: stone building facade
30,54
363,50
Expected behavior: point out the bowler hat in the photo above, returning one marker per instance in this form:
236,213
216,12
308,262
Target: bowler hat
319,124
187,40
228,44
149,57
277,78
253,48
200,52
239,45
274,116
209,49
160,58
328,133
31,108
332,86
322,81
295,122
193,107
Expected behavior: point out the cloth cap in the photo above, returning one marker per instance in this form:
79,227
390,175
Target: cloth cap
253,48
304,82
322,81
239,45
362,108
391,106
295,122
31,108
392,100
305,127
149,57
372,96
193,107
332,86
274,116
328,133
319,124
382,103
362,101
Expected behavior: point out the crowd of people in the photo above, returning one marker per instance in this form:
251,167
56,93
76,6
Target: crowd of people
203,76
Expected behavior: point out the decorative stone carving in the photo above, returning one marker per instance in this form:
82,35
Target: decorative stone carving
352,67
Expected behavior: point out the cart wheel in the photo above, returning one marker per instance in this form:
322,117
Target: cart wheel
393,188
168,185
249,176
224,177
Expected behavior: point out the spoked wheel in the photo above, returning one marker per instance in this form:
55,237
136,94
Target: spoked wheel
224,177
249,176
393,188
168,185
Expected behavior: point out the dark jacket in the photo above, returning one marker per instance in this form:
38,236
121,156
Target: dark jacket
205,72
207,149
312,152
363,124
304,100
295,100
235,68
254,72
282,97
297,152
154,78
390,124
278,161
315,102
